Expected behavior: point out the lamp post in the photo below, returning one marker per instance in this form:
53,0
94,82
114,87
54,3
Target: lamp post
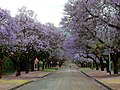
109,51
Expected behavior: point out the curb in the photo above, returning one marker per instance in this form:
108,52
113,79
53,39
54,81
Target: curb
14,88
20,85
97,81
46,75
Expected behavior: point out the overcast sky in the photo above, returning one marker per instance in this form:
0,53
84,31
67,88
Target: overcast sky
46,10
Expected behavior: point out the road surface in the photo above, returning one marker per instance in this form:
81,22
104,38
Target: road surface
68,78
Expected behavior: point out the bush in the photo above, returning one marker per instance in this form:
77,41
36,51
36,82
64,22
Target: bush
8,66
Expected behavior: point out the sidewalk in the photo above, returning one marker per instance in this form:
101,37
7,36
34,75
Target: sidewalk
111,81
9,82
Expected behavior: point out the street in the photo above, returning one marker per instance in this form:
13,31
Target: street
67,78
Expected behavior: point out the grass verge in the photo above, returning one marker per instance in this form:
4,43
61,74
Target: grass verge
85,69
50,70
2,81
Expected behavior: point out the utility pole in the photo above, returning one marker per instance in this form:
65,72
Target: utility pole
109,62
109,51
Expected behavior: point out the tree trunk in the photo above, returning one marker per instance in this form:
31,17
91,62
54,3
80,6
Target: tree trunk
101,64
18,73
107,66
115,66
48,64
32,66
17,67
43,66
96,64
115,63
60,64
27,67
0,69
38,66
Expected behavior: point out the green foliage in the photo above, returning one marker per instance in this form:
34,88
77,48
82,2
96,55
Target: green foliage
50,70
44,54
8,66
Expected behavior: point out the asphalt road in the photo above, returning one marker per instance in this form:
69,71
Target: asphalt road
68,78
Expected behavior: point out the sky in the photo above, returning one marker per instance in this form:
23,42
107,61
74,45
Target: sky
46,10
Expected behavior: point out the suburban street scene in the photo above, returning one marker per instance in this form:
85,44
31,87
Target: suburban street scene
59,44
65,79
